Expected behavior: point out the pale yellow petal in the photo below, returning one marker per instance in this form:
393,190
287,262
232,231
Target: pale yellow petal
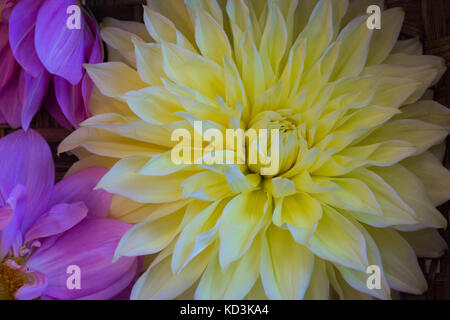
242,219
286,266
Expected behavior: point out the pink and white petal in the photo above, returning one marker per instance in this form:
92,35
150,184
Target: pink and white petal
59,218
12,99
28,161
62,50
22,35
70,100
34,288
80,187
89,245
35,90
53,108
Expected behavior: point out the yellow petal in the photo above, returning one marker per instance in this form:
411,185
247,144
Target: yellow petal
358,279
355,43
114,78
151,235
154,105
336,239
124,180
433,175
427,243
242,219
426,111
233,283
207,186
159,283
286,266
177,12
149,62
421,134
192,70
384,39
211,38
399,261
413,192
301,213
319,285
198,234
103,143
394,210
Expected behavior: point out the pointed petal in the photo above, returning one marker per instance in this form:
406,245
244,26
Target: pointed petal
22,35
61,51
399,261
286,266
242,219
35,90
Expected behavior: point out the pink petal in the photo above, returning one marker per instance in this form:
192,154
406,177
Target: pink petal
35,287
26,159
6,215
62,50
58,219
53,108
7,61
95,53
90,245
70,99
22,36
16,204
2,118
35,89
80,187
12,98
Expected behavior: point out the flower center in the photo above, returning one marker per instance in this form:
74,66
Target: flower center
10,281
280,149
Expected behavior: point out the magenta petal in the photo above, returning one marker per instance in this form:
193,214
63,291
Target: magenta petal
6,215
80,187
120,289
90,245
12,99
7,60
34,289
58,219
53,108
16,202
70,99
27,160
35,89
2,118
22,35
61,50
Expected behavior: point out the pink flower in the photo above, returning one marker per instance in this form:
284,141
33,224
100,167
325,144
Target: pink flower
42,62
46,228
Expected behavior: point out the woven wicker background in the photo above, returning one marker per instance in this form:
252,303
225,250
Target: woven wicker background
427,19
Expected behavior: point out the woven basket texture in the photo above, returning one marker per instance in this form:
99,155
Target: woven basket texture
428,20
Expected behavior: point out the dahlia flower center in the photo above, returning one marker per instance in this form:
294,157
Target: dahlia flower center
10,281
277,144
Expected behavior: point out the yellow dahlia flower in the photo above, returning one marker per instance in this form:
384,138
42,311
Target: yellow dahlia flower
361,146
